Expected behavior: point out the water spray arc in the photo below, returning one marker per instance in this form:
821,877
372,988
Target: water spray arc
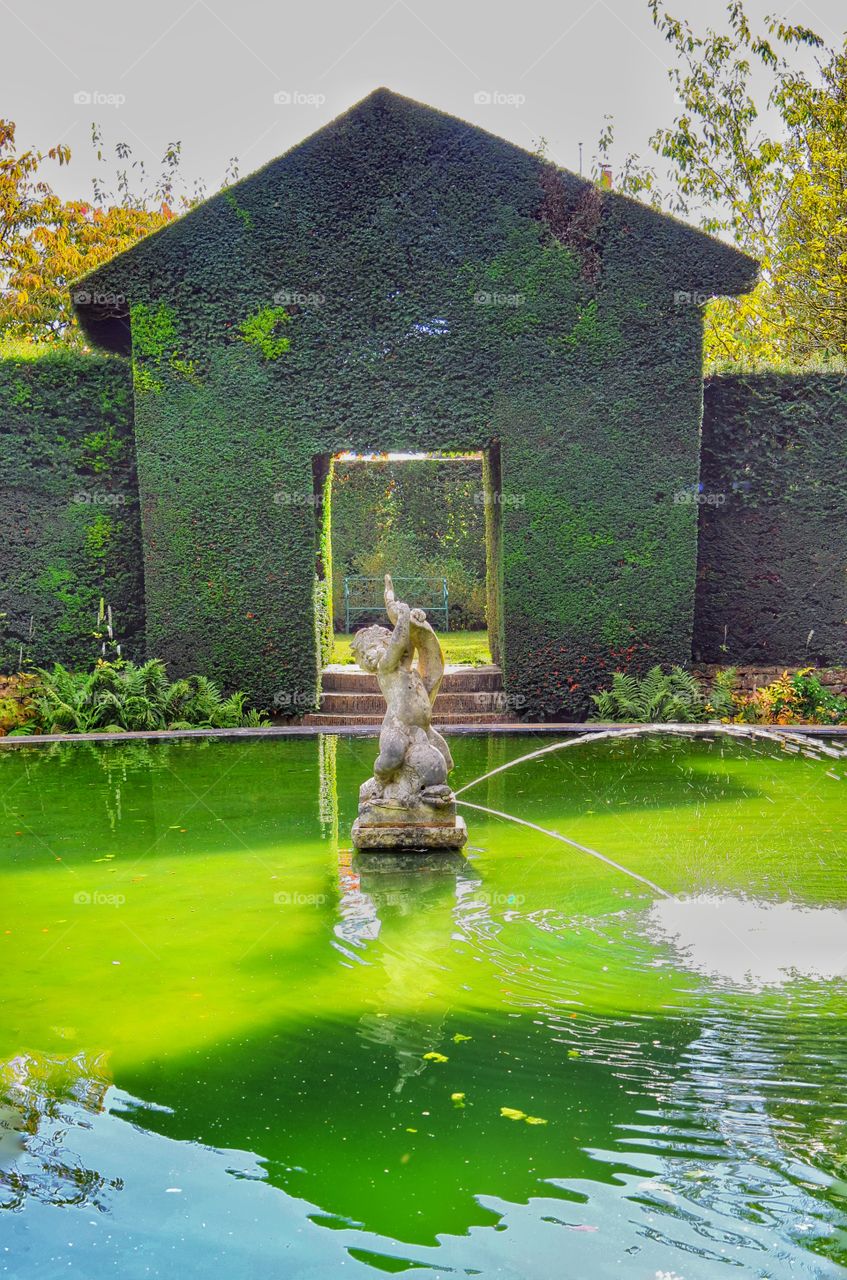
584,848
789,741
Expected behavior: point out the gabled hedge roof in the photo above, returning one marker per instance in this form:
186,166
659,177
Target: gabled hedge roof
688,259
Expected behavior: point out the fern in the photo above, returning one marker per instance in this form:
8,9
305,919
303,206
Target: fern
722,696
656,698
118,697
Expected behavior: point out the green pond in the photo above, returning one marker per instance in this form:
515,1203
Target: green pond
228,1048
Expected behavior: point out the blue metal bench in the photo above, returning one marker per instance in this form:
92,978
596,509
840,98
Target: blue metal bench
364,597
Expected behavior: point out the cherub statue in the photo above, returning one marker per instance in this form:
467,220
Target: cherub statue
413,759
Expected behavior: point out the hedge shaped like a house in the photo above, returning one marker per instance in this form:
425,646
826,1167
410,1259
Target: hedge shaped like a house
405,281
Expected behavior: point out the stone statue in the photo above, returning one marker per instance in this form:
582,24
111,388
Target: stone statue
407,803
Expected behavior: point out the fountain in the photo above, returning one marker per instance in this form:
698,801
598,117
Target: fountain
407,804
554,1058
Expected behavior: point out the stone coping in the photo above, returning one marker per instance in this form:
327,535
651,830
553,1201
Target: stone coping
453,730
355,669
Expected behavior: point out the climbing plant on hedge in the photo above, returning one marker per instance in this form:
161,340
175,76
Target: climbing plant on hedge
443,290
69,507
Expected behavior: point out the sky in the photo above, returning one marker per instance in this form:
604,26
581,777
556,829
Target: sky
251,79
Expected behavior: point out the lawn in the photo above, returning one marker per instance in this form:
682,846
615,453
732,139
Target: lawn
468,647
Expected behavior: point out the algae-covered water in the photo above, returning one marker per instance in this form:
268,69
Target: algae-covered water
229,1049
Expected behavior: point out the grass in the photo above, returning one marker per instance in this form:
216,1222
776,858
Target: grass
467,647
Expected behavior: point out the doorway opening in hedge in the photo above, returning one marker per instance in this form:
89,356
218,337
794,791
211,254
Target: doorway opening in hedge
430,519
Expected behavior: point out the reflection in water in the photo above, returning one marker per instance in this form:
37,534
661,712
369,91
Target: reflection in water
407,902
328,786
42,1101
737,1148
753,943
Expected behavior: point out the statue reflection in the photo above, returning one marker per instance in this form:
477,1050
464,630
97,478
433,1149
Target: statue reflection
407,901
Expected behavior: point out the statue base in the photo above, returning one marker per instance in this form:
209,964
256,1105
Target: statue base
411,836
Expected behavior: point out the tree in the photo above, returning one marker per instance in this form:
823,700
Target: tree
770,175
47,243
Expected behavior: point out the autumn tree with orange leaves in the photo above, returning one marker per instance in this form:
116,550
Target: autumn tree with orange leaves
47,243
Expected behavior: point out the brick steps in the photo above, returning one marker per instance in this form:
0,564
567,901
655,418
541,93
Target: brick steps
468,695
349,679
483,700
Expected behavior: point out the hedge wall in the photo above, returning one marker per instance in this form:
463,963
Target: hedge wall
403,281
69,527
772,567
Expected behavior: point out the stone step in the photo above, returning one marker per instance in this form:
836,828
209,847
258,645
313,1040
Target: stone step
331,720
374,703
349,679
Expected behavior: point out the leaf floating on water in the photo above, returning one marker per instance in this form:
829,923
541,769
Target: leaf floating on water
511,1113
432,1056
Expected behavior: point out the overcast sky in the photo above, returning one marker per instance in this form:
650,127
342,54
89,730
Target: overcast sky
207,72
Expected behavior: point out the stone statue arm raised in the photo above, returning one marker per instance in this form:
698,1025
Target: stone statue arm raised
430,656
424,640
399,646
390,600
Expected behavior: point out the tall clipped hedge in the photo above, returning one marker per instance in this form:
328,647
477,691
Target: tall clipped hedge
772,572
404,281
69,526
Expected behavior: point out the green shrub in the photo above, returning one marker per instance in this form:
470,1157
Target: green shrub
120,697
656,698
722,697
792,699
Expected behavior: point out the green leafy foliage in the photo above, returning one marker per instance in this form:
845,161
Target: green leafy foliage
757,152
154,331
119,697
721,704
658,697
265,331
792,699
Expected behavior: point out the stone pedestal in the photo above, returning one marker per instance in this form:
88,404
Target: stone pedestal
397,818
389,837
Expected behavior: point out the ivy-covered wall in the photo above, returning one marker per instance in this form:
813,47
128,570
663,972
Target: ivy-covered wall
772,570
404,281
69,527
